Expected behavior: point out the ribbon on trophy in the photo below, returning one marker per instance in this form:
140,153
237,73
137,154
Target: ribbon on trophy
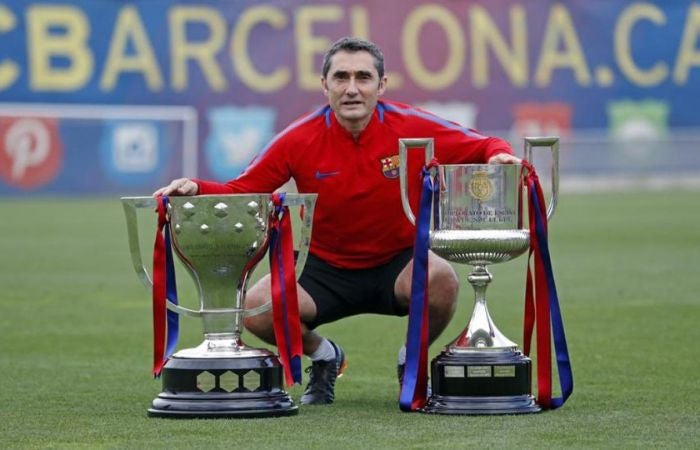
165,322
285,305
542,302
413,395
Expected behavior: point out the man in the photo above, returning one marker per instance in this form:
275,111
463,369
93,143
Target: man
361,251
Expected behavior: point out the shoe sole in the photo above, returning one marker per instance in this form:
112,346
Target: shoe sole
341,369
343,362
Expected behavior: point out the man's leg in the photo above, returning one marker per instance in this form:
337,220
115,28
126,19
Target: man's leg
261,324
443,287
327,359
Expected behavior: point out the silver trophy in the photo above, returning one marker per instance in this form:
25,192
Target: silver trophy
481,371
220,239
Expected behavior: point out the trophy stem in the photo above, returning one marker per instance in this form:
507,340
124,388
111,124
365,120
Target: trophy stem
482,371
222,336
481,333
238,317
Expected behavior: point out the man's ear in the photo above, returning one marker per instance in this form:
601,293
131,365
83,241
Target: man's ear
324,86
382,85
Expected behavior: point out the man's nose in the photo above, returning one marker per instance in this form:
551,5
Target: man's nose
352,87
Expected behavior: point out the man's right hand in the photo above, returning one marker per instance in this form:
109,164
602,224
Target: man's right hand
180,186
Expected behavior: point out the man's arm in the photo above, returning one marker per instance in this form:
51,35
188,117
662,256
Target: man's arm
464,146
268,171
455,144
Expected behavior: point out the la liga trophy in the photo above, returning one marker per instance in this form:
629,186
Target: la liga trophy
220,239
479,223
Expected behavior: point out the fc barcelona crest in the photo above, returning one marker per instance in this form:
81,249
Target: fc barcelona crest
390,166
480,187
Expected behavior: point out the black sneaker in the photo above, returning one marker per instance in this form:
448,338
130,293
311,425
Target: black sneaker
399,372
322,376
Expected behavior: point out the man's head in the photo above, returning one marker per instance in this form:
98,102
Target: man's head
353,45
353,79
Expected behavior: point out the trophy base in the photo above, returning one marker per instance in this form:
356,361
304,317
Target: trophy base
223,387
515,404
478,382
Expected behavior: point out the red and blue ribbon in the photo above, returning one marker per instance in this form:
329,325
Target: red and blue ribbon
413,395
285,305
542,303
165,322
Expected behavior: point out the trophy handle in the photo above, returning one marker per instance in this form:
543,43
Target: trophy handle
404,145
308,201
553,143
131,204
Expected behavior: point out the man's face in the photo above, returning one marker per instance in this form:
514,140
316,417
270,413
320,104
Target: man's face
353,87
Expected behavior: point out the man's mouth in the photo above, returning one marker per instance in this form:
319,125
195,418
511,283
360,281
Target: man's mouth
352,103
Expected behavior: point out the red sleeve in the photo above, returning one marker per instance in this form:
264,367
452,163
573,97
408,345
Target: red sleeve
465,146
267,172
455,144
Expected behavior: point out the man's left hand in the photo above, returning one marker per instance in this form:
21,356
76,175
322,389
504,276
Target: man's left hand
504,158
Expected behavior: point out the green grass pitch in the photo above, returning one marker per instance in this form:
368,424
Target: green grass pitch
75,331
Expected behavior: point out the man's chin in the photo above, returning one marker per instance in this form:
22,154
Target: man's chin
353,114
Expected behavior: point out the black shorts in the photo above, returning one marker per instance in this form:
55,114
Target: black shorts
340,293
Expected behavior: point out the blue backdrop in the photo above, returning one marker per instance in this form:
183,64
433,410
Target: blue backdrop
248,68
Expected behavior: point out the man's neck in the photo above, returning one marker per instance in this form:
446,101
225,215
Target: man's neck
355,128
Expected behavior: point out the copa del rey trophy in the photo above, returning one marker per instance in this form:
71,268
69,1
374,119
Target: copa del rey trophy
219,239
478,223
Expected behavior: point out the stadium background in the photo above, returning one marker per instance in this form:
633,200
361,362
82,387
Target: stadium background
113,97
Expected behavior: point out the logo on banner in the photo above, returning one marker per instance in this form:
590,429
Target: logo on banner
636,127
135,147
30,151
236,135
131,151
541,119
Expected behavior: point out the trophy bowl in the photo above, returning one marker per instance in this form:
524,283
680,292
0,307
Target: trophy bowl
479,247
220,239
478,223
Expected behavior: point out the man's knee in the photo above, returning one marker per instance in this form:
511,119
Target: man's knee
257,296
258,324
447,280
260,294
444,286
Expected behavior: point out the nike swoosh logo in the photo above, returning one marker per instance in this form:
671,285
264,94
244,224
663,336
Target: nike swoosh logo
321,175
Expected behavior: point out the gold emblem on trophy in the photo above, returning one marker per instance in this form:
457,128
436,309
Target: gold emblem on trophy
480,187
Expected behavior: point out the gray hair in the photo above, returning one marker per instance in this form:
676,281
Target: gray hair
352,45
